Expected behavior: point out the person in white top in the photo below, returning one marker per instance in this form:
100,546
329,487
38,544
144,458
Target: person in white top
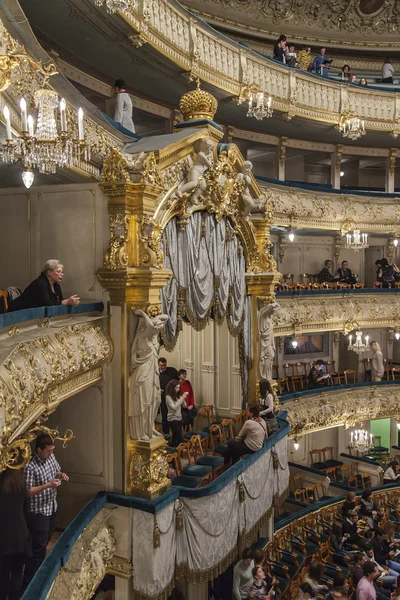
251,438
377,368
243,576
389,475
387,71
267,404
123,106
174,401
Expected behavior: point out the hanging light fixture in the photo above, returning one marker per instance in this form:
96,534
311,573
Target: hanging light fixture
396,242
361,440
296,444
259,108
291,235
294,343
357,240
397,335
359,346
352,127
28,178
44,148
398,425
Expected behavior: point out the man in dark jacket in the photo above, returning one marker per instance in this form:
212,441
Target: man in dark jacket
280,49
167,374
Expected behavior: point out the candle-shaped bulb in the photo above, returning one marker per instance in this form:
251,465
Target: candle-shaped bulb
6,112
81,134
269,103
251,101
63,114
350,339
24,116
351,436
30,126
367,339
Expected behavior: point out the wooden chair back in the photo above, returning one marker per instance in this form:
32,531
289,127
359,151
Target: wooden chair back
336,377
288,277
315,456
184,448
283,385
350,374
216,436
296,482
173,457
327,453
331,473
394,371
239,420
287,368
330,366
197,448
204,416
275,372
388,366
227,428
3,301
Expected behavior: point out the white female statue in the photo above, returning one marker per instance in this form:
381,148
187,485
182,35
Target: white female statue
244,176
266,339
195,181
144,382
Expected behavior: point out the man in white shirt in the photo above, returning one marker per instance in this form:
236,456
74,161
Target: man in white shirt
243,576
385,575
365,588
251,438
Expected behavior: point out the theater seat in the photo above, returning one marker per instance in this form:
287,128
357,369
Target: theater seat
186,481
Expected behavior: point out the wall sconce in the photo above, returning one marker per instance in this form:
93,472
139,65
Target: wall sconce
296,445
291,235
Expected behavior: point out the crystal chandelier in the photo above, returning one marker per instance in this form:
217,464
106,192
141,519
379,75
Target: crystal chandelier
258,108
361,440
357,241
359,346
44,147
114,6
353,128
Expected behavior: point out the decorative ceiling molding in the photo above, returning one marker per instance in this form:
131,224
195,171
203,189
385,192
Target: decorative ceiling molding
336,312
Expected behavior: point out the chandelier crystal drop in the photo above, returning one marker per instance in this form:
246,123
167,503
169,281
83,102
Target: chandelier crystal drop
359,346
361,440
353,128
259,108
44,148
357,240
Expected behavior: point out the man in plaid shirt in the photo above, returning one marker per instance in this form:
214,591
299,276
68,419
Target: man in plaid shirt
43,475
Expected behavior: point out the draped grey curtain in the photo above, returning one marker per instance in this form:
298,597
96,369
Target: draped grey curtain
208,264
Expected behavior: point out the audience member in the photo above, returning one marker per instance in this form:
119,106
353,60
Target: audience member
352,78
338,539
267,406
15,540
258,557
243,576
387,71
365,588
378,264
344,73
188,413
383,553
320,63
340,588
316,378
377,368
357,571
251,438
313,577
363,82
368,509
174,401
345,274
304,58
325,275
349,504
262,587
350,526
43,476
123,106
167,374
291,56
386,273
280,49
45,290
390,475
387,579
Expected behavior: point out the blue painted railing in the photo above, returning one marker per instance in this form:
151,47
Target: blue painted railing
333,388
293,293
28,314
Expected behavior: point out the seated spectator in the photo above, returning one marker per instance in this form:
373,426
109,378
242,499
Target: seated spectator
390,475
188,413
378,264
357,571
321,63
387,273
258,557
313,577
316,378
387,71
175,401
305,592
352,78
368,510
383,553
387,578
251,438
350,526
365,588
344,73
45,290
291,56
345,274
243,576
280,49
349,504
304,58
338,540
325,274
262,586
363,82
340,588
267,406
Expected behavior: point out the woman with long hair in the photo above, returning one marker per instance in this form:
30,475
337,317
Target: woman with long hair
174,401
369,510
267,406
15,541
390,475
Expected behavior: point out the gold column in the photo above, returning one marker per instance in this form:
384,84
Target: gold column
133,274
261,287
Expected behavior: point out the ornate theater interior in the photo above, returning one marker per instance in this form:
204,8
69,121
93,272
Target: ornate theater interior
214,184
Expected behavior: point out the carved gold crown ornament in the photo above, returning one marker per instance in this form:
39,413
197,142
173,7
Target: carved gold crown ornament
198,104
44,147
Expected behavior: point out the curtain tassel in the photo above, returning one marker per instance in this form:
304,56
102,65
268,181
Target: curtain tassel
179,519
275,459
241,492
156,534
